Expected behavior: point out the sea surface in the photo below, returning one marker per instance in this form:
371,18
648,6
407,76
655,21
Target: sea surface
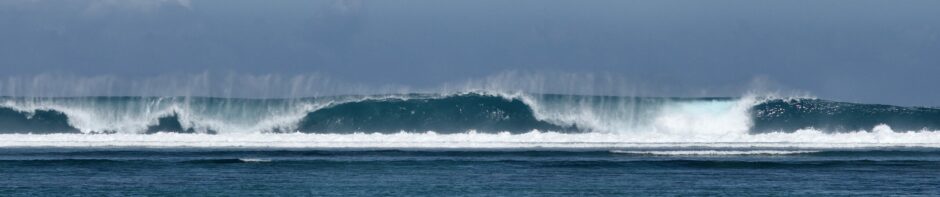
468,172
476,143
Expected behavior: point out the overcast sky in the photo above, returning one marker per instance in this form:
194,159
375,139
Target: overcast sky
874,51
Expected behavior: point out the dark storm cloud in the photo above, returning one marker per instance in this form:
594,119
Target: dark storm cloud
866,50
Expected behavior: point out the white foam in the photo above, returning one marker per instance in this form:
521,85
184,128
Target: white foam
254,160
882,136
712,152
691,118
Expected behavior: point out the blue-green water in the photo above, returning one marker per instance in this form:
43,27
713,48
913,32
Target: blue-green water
465,144
466,172
447,113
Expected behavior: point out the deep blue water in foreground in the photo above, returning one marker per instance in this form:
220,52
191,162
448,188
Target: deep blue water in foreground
466,172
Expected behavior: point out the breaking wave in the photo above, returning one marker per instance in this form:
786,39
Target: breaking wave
468,117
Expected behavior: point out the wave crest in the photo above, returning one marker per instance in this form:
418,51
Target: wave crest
720,119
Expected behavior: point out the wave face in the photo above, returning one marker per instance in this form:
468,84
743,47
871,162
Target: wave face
636,119
138,115
418,114
37,121
794,114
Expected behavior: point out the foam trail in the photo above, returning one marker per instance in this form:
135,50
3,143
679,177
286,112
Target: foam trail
712,152
254,160
881,136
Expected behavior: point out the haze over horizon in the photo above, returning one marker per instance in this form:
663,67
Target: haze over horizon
865,51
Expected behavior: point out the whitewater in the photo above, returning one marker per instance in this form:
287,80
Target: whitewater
475,119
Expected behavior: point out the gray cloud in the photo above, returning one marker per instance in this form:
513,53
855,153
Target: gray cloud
97,6
864,50
146,6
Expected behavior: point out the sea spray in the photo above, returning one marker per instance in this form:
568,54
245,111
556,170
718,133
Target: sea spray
486,112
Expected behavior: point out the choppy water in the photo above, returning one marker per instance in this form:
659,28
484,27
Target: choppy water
472,172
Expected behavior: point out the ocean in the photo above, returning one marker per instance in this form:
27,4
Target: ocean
474,143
